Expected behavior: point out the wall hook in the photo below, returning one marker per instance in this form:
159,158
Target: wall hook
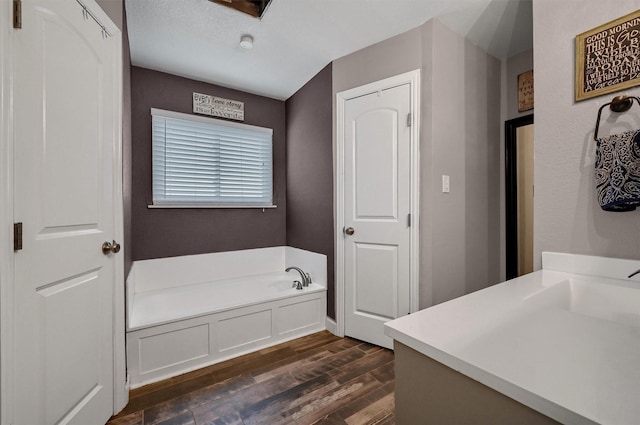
621,103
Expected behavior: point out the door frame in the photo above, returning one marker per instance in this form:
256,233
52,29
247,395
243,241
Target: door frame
7,276
511,191
413,79
6,215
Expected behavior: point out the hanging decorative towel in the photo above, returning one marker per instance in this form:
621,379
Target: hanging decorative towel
618,171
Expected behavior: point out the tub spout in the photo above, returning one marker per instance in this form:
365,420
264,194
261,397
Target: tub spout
305,278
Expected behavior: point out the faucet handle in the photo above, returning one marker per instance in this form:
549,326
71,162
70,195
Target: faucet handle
308,279
297,285
633,274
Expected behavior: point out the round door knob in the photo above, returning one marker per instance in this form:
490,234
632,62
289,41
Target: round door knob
349,231
108,247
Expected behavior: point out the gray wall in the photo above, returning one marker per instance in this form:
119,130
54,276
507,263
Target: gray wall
460,125
382,60
462,234
310,172
126,147
170,232
567,215
114,9
516,65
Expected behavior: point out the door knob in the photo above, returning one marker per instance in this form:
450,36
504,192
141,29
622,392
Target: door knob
349,231
115,247
109,247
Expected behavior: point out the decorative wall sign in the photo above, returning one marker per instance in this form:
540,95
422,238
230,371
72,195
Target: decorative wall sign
608,57
218,107
525,91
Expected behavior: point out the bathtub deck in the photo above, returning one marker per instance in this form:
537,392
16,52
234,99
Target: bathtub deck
315,379
168,305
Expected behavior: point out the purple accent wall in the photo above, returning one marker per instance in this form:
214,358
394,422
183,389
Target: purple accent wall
126,146
167,232
310,172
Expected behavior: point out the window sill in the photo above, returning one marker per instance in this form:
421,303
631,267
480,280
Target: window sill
191,206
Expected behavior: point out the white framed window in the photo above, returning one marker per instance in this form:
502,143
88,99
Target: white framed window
207,162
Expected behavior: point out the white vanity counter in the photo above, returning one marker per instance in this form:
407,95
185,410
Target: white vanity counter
564,341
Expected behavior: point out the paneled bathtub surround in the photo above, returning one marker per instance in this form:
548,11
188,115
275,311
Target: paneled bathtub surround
563,341
192,311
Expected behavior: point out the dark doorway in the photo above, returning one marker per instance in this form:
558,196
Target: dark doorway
516,232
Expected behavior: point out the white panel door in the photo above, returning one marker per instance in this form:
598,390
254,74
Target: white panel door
65,137
377,149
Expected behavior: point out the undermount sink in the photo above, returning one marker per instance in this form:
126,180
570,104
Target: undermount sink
607,301
600,298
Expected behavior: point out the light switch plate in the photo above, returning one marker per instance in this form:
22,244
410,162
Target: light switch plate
445,184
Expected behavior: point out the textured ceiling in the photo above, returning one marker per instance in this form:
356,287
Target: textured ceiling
296,38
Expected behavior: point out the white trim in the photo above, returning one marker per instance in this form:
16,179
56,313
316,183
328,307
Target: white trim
331,326
6,214
120,379
415,193
413,79
338,192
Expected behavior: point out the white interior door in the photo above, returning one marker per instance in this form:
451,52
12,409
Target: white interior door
66,141
377,201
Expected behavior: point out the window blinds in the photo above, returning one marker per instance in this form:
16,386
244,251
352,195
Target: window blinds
203,161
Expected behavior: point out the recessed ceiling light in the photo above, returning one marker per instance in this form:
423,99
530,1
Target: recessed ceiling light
246,42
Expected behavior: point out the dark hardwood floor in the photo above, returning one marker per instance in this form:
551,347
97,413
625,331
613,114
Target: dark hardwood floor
317,379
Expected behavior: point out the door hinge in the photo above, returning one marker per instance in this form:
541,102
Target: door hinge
408,220
17,13
409,120
17,236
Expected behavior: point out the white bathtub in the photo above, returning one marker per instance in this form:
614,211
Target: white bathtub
189,312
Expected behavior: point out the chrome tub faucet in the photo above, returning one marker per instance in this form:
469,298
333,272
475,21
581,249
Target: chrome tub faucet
306,279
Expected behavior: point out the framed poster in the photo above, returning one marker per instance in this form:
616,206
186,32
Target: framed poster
525,91
218,107
608,57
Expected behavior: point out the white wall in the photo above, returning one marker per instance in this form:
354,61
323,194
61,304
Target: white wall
567,215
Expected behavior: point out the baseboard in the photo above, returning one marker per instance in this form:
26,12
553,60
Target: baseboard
331,326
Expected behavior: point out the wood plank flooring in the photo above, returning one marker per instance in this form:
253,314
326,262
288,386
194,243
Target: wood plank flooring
317,379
